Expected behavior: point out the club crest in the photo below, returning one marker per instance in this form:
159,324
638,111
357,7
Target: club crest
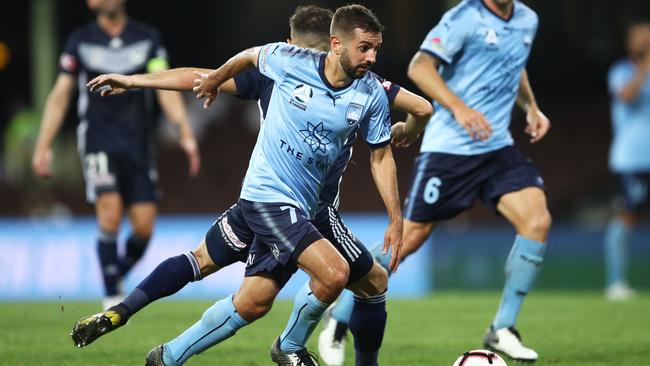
353,114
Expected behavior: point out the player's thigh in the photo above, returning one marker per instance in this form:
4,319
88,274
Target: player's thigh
633,196
255,296
227,241
142,216
329,223
526,209
415,235
324,264
373,283
108,208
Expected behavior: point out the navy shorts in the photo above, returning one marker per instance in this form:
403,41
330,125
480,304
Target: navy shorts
229,239
329,223
444,185
633,191
135,180
282,233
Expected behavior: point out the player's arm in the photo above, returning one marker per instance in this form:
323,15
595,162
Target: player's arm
207,85
423,71
537,123
419,112
173,106
384,173
179,79
56,107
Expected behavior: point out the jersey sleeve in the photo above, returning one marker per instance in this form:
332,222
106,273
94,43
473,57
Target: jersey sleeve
69,59
158,60
390,88
249,84
447,38
376,128
275,59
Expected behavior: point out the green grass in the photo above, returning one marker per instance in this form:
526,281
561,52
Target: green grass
565,328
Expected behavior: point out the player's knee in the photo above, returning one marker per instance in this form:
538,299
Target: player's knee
538,225
378,281
334,280
206,265
253,309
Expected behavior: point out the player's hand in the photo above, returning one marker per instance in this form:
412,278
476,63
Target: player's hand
191,148
393,240
41,162
402,136
110,84
538,124
474,122
207,87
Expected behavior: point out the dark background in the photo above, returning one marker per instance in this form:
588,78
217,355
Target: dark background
576,43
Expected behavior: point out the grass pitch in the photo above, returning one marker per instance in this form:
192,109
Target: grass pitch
566,328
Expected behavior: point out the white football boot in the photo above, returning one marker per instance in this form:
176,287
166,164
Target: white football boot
619,291
331,344
507,341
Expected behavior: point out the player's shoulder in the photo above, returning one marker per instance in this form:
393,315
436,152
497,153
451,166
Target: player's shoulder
620,67
293,53
374,85
465,11
525,14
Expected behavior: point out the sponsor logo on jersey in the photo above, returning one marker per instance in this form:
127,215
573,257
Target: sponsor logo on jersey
230,237
353,114
68,62
316,136
302,94
491,37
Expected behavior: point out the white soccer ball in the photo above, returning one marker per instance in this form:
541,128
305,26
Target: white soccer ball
479,357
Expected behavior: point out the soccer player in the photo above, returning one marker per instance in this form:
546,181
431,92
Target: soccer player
113,133
301,94
472,65
629,155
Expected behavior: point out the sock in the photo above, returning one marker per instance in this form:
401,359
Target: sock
367,325
522,266
307,312
220,322
168,278
135,247
342,310
107,252
616,242
382,259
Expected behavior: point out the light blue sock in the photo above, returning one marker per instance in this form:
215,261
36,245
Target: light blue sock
342,311
307,311
522,266
382,259
616,242
219,322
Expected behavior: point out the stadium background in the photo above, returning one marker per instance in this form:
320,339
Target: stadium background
48,226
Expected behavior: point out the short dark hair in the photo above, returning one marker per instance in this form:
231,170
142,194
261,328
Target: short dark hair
347,18
311,20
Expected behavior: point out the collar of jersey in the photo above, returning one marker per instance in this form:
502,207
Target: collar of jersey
497,15
321,73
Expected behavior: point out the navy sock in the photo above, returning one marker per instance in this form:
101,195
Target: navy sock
367,325
135,248
170,276
107,252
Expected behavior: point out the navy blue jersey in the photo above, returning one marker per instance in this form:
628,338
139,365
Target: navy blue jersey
252,85
118,124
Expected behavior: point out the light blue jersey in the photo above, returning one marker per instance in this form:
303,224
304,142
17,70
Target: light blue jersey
307,123
630,150
483,57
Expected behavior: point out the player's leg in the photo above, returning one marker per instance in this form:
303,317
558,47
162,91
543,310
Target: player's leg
526,210
219,322
108,209
633,195
227,242
142,216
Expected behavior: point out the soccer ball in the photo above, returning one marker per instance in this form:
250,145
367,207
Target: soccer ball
480,357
